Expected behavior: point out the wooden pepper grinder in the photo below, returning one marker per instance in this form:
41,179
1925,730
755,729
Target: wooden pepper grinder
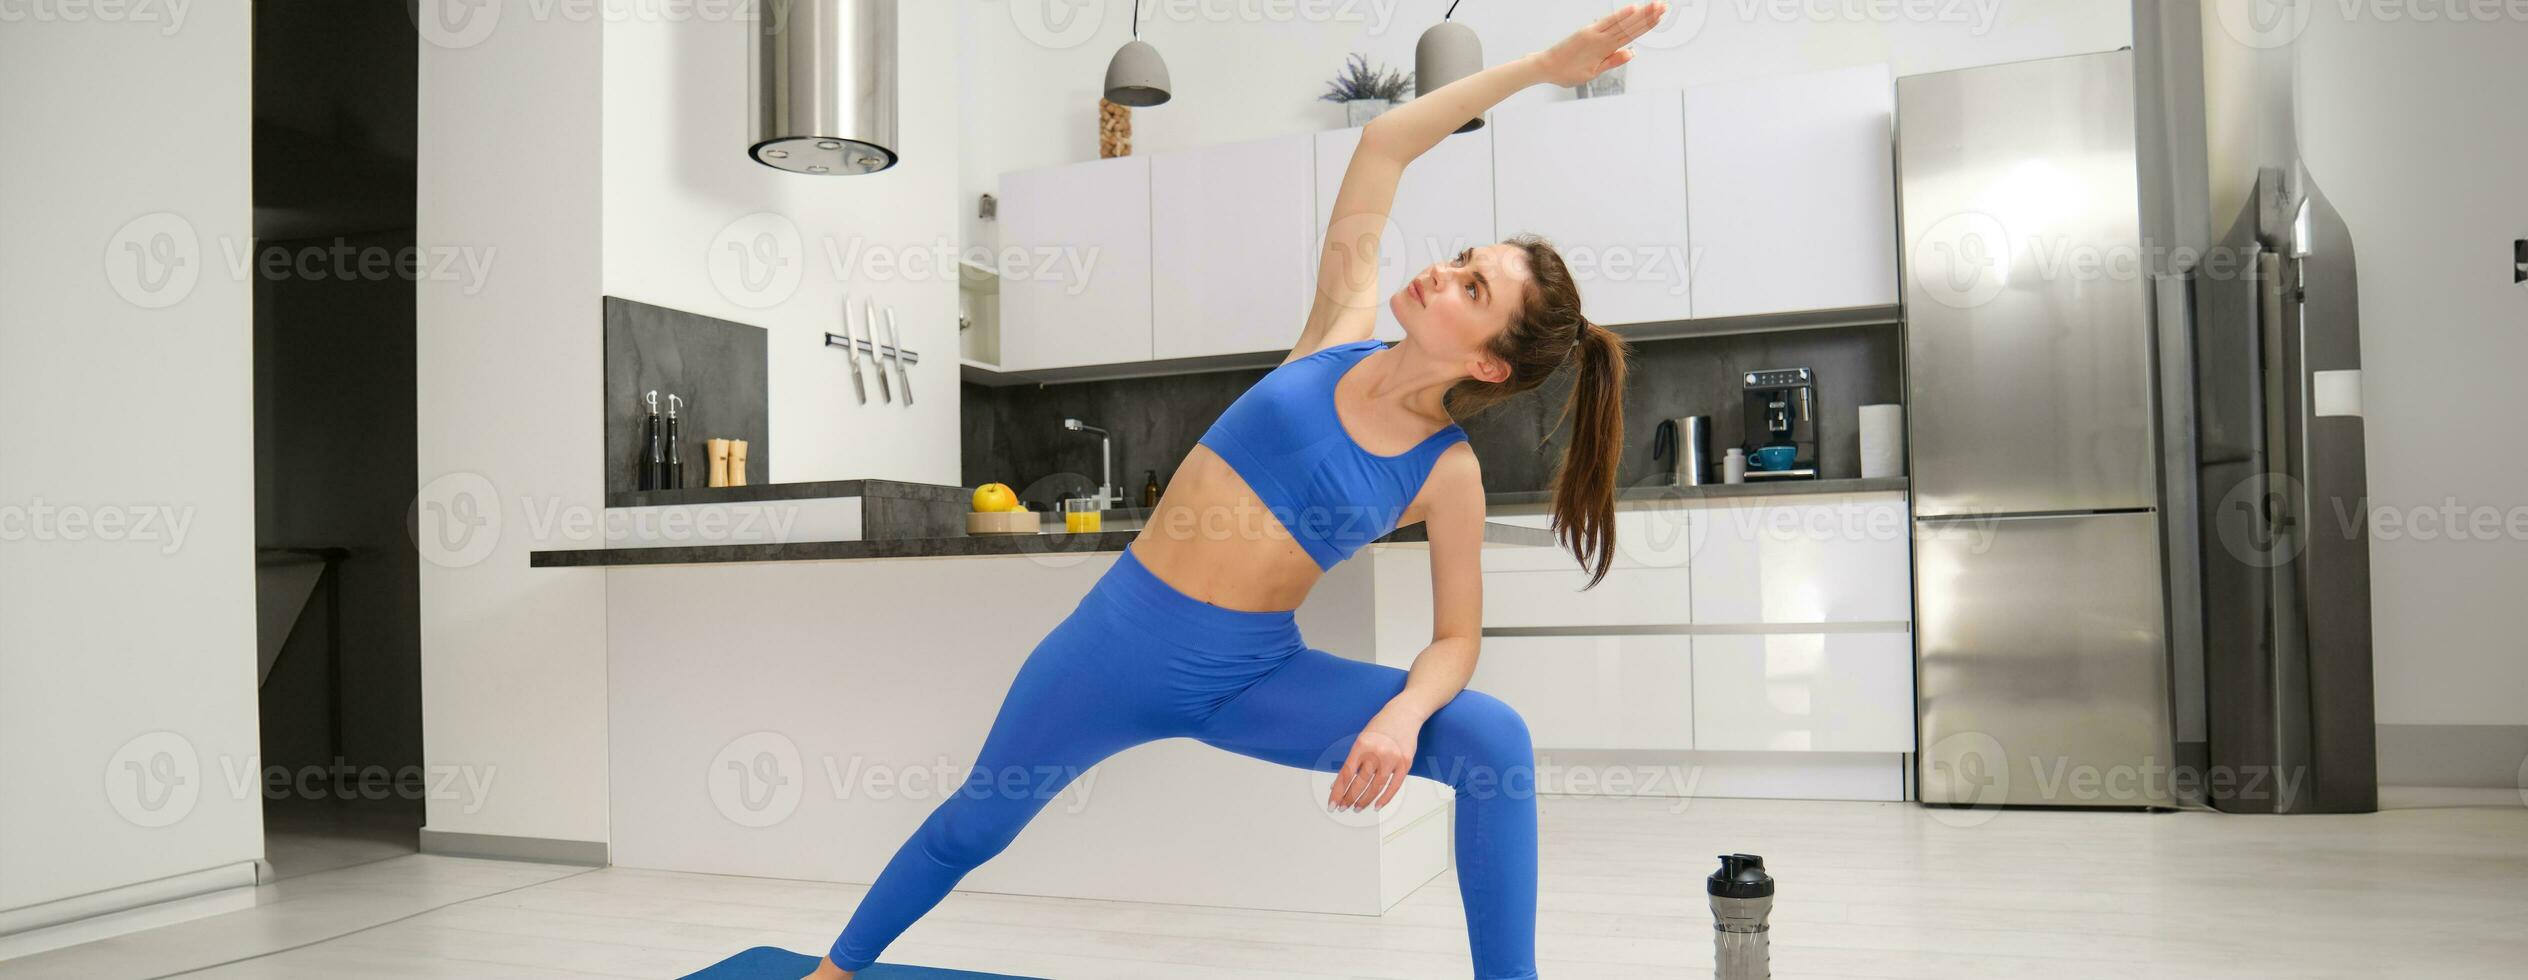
719,461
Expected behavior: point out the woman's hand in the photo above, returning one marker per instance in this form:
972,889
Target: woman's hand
1382,756
1599,46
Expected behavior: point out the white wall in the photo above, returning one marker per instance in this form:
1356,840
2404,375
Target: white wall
589,157
1242,73
680,192
126,386
513,658
2413,130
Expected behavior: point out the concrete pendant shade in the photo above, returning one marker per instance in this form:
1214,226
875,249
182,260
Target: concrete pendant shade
1137,76
1447,52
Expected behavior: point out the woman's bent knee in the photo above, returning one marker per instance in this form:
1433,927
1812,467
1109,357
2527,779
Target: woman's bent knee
966,830
1487,736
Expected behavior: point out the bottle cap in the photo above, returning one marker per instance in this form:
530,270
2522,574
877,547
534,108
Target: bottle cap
1740,876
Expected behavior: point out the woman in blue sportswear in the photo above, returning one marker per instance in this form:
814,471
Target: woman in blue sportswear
1191,633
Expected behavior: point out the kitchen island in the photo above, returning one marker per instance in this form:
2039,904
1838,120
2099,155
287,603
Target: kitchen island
795,709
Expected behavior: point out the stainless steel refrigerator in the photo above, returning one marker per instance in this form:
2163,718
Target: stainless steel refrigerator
2087,404
2041,638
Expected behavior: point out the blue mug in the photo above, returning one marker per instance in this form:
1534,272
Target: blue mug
1773,457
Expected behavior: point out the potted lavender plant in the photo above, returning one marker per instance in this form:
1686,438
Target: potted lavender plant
1365,91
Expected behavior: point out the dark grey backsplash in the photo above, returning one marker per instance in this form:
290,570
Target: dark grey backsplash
717,366
1855,366
1014,435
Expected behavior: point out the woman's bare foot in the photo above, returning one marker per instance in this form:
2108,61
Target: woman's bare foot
826,970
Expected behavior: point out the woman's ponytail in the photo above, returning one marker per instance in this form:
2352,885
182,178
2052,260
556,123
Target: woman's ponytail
1548,334
1584,482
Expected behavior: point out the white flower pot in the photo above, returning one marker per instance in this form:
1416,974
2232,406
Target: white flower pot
1358,112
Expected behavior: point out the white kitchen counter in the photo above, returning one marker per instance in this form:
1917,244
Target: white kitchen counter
799,719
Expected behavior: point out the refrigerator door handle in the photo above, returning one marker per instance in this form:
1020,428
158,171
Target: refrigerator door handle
2278,321
2172,333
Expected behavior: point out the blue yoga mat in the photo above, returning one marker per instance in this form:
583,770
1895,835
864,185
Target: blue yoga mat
770,963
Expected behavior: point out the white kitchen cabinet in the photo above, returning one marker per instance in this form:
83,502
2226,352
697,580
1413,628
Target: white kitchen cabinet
1826,559
1075,281
1605,180
1791,189
1626,597
1594,692
1645,537
1804,692
1443,206
1233,246
1647,584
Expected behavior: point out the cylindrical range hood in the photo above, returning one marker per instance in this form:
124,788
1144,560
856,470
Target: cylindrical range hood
824,87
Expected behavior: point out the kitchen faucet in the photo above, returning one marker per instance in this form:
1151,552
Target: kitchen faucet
1106,496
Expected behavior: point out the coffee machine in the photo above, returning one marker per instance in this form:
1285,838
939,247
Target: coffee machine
1781,426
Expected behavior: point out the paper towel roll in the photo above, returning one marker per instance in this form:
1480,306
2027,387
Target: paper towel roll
1882,440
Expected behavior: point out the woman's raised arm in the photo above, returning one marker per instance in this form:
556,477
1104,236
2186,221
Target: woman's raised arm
1346,304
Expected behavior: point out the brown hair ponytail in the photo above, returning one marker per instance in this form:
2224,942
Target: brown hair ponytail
1584,483
1548,333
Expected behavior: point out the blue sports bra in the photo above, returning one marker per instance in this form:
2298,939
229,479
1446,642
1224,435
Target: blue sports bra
1284,439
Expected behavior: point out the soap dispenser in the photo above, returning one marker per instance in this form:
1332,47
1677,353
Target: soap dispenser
1150,489
675,448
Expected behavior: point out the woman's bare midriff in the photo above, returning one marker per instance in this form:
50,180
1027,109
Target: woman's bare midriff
1212,538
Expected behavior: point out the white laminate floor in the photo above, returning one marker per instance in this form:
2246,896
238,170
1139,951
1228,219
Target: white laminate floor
2436,890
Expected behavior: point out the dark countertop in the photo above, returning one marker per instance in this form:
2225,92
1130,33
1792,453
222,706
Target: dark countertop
1517,501
961,495
1714,491
791,491
961,546
907,538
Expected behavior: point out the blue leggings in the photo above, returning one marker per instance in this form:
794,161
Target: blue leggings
1138,661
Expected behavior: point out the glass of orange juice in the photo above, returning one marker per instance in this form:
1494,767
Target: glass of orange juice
1083,515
